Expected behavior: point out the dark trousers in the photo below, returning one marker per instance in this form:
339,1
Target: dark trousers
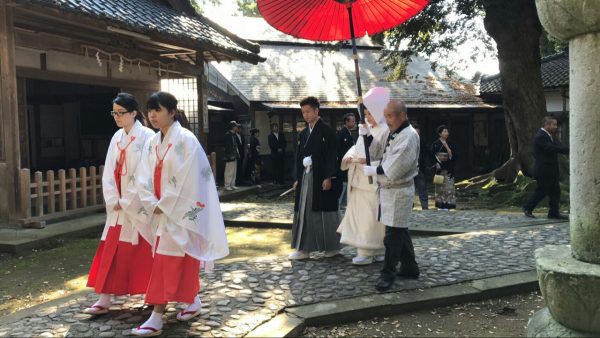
421,188
546,186
398,249
278,168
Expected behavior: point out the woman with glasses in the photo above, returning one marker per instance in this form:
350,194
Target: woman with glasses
178,191
124,256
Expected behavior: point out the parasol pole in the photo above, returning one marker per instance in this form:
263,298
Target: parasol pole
358,86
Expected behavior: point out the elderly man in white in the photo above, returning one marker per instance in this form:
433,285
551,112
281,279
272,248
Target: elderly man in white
398,150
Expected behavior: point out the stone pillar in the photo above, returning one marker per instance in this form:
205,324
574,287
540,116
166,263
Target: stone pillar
569,276
9,124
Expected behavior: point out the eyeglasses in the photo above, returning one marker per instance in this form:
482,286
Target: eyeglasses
119,113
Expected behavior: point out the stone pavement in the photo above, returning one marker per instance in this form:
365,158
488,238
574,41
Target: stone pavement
239,296
463,220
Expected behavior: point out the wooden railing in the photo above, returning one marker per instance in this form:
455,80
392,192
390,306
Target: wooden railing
53,197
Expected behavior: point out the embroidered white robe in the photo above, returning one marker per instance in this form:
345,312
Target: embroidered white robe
359,227
191,222
129,219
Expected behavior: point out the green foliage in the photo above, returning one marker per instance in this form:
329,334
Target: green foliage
493,194
550,45
248,8
441,28
198,4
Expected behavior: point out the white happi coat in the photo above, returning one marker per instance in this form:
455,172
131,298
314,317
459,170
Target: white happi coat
131,223
191,222
360,227
399,161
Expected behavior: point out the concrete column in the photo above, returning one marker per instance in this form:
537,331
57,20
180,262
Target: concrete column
9,125
570,276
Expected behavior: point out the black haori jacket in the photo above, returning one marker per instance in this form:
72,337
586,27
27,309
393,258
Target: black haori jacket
321,144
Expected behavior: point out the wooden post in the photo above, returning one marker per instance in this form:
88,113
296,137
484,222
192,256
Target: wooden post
62,189
51,193
25,192
202,90
213,164
100,185
73,190
83,177
9,122
94,196
39,193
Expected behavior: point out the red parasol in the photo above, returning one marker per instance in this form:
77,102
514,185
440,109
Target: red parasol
328,20
335,20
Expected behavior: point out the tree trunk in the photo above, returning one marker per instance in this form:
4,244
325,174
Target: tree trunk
516,28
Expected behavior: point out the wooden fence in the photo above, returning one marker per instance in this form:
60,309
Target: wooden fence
51,196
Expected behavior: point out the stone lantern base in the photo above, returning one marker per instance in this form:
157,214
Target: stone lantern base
571,289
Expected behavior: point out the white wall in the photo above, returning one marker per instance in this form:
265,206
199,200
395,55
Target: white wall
554,101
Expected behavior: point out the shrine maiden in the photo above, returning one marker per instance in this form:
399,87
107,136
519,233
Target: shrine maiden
123,259
178,192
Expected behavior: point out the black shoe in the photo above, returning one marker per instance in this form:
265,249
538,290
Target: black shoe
559,217
412,273
528,213
384,282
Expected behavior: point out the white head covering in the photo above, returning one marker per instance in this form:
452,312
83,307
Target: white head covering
375,100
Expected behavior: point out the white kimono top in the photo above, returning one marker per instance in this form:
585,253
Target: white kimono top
124,154
191,222
399,161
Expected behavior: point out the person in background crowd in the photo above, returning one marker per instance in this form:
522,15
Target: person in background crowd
444,156
254,161
277,144
231,157
546,148
345,142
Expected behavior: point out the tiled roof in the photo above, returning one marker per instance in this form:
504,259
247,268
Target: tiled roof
555,73
153,16
258,29
293,72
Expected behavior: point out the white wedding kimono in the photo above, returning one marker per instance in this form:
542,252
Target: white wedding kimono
359,227
191,221
129,219
399,160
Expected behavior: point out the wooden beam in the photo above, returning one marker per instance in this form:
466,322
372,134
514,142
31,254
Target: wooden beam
47,42
9,130
84,79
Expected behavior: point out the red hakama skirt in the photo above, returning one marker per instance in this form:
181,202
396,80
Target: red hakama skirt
121,268
173,279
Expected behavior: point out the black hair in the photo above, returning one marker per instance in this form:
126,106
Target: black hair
441,128
166,100
254,131
547,119
311,101
129,102
348,116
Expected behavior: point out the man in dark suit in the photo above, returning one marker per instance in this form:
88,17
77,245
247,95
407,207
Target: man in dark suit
277,144
545,171
345,142
241,145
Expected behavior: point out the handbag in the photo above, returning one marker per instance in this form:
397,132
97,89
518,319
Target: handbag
438,179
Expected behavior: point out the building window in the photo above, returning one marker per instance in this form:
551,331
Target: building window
186,92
